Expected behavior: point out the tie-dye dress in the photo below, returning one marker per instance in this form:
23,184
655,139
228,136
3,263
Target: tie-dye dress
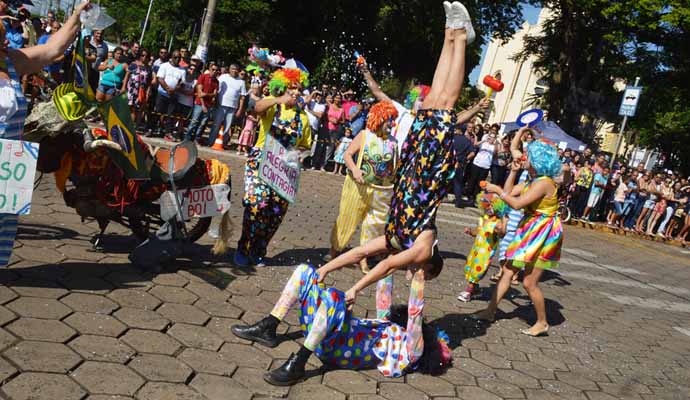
539,236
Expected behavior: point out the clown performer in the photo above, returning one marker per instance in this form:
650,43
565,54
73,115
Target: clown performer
14,63
282,119
416,97
395,346
539,237
491,228
514,216
368,186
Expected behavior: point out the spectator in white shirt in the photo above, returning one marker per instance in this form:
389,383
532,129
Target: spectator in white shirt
185,100
169,77
231,92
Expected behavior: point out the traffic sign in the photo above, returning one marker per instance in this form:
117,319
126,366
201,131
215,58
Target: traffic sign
630,99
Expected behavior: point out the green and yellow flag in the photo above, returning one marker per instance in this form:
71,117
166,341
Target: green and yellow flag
118,122
80,74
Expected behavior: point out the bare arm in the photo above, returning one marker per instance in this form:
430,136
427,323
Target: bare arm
32,59
466,115
353,149
123,89
266,103
373,85
516,144
536,192
372,248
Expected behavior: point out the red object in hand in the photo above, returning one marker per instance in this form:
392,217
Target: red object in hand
360,60
493,83
483,184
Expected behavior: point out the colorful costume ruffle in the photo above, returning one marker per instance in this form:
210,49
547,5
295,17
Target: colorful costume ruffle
539,236
424,177
483,249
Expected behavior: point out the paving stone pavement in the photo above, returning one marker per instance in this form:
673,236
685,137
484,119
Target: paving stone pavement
75,324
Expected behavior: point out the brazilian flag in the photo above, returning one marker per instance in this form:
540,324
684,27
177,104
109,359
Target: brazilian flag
118,122
80,74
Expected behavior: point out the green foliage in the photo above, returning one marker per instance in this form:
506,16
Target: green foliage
394,35
587,45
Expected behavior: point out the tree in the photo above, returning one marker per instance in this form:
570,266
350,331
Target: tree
588,46
394,35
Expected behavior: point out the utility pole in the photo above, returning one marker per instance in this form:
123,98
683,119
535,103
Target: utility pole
622,132
146,22
204,38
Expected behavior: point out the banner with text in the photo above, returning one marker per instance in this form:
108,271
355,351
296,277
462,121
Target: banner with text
280,169
206,201
17,171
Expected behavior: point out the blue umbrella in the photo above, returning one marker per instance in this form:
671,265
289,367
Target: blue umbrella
551,131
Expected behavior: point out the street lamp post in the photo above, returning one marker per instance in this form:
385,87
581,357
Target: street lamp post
146,22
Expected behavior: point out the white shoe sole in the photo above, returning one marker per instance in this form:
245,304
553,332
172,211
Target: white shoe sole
463,20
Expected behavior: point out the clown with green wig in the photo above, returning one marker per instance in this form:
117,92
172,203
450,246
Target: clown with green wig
283,124
490,230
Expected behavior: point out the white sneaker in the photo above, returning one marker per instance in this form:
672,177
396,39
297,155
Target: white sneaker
461,20
449,10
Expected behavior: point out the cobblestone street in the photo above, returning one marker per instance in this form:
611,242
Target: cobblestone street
77,324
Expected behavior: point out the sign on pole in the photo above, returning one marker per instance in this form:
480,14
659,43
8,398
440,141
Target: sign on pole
202,202
630,99
280,169
17,171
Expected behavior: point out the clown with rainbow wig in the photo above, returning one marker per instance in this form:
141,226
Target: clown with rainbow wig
282,118
490,229
539,236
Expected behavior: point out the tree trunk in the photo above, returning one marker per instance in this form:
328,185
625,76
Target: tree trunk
204,38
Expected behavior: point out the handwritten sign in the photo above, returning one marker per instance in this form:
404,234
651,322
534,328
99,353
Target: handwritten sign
280,169
17,171
201,202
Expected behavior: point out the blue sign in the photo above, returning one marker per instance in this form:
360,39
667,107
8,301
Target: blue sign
629,102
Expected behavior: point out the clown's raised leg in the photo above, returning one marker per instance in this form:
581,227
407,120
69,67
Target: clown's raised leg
427,162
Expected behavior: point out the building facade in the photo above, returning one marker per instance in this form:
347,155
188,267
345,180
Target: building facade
523,84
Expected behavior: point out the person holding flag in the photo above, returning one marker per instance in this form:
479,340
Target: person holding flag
13,105
282,120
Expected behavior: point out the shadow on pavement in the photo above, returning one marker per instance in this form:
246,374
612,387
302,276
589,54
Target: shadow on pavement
44,232
461,326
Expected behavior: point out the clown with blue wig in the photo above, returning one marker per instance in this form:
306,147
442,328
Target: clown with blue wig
539,236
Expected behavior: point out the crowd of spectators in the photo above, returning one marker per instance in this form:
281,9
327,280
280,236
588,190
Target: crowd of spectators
646,201
176,96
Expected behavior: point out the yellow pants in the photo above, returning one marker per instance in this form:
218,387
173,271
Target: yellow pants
360,204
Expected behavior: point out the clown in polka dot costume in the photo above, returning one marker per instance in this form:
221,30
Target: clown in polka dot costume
490,229
341,340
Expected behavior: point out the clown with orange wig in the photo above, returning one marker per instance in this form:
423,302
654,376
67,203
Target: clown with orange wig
282,119
371,161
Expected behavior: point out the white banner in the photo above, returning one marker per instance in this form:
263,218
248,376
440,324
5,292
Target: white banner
17,171
206,201
280,169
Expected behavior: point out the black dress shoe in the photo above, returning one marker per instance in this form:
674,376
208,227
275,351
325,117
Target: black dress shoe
288,374
261,332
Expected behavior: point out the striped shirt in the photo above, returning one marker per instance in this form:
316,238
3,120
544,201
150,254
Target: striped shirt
11,128
514,217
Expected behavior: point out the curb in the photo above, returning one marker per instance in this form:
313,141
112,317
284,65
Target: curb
601,227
